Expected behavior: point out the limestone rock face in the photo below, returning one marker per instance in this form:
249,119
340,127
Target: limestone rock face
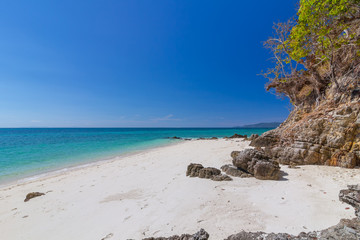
324,134
257,163
253,137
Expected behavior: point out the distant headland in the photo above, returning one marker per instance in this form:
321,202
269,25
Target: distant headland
261,125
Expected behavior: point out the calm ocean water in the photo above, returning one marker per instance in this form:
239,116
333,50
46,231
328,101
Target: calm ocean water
29,151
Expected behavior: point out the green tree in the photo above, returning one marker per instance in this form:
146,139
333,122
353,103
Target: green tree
313,50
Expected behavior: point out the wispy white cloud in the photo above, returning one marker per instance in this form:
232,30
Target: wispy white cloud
169,117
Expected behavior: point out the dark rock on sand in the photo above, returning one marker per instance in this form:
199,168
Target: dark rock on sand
33,195
198,170
193,170
200,235
237,136
245,158
110,235
235,172
175,137
221,177
257,163
213,138
267,170
351,196
209,172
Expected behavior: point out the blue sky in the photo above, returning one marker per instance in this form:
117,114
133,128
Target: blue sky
133,63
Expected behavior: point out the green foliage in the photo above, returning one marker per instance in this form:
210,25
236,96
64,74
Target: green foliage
321,45
320,28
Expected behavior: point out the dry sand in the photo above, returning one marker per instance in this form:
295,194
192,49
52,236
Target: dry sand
148,194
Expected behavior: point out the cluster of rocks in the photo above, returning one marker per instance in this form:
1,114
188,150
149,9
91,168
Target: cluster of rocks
211,138
252,137
200,235
237,136
247,163
179,138
198,170
189,139
346,229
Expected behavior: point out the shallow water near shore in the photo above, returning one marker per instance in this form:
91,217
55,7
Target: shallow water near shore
25,152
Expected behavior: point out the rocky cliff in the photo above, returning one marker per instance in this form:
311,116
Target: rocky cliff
326,132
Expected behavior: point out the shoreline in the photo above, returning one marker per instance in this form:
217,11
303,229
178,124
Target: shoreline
76,166
148,195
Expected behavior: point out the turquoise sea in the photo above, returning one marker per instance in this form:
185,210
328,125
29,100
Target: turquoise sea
26,152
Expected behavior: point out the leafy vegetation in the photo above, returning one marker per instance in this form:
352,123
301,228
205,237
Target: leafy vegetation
316,48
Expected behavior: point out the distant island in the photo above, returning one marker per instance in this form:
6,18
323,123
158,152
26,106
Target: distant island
261,125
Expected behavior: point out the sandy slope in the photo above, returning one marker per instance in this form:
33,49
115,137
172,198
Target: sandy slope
148,194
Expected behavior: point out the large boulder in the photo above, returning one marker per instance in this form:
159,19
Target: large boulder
267,170
244,159
209,172
193,170
257,163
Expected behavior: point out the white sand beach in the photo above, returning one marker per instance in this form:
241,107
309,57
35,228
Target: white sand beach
147,194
